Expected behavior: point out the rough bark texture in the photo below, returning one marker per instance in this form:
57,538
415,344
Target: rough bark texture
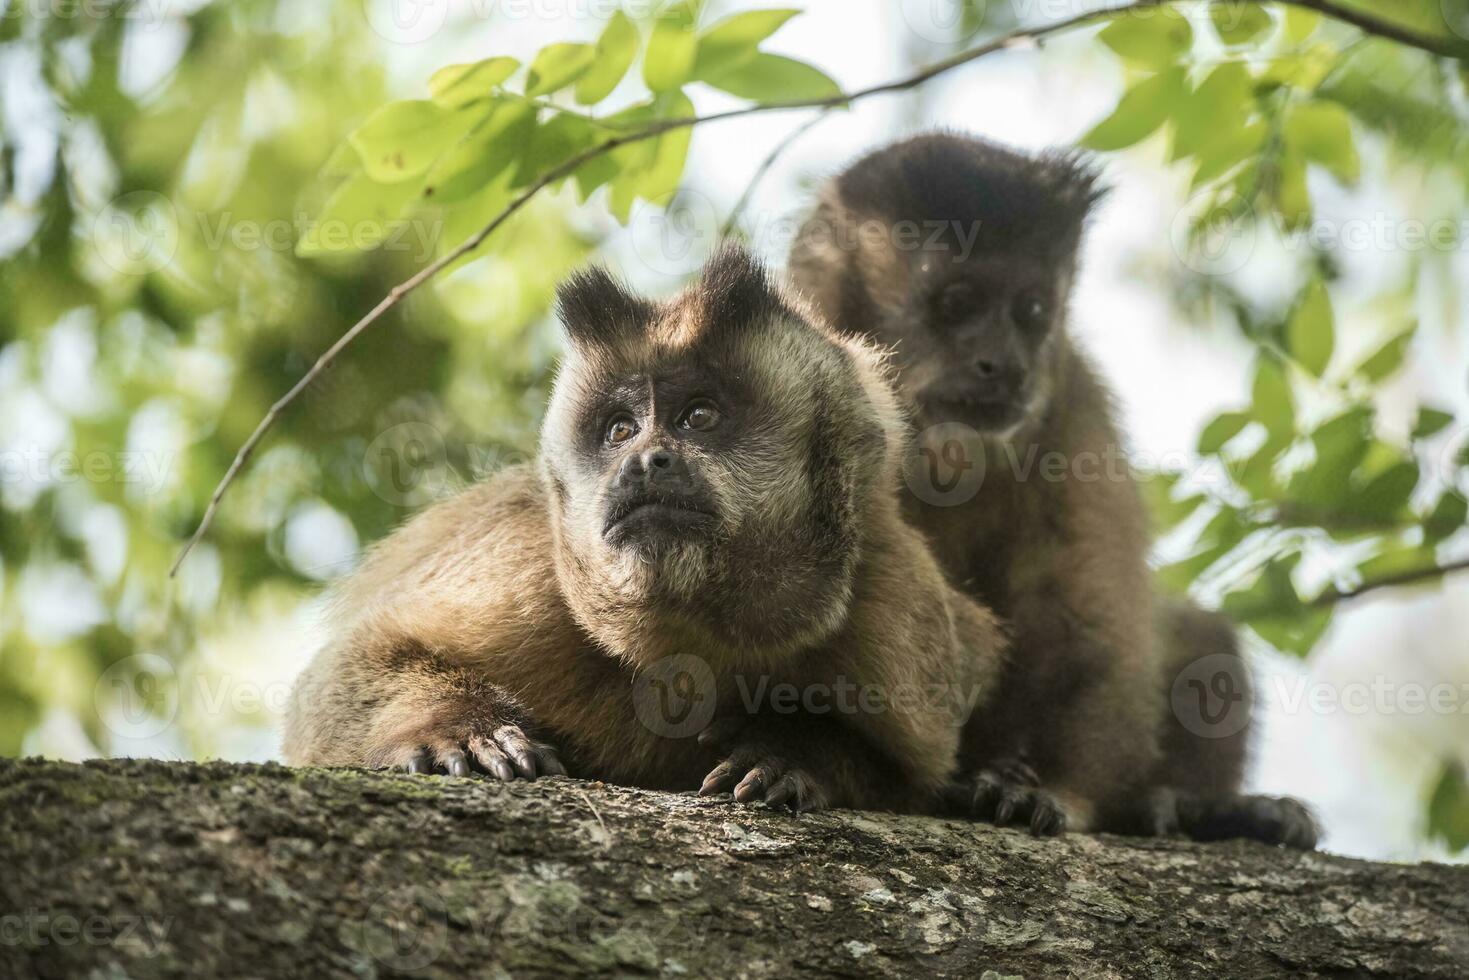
152,869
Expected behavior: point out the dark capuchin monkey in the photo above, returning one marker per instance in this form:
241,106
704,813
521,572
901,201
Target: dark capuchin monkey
712,531
960,255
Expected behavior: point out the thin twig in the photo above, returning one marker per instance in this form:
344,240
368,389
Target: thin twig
606,837
764,169
1017,38
1410,577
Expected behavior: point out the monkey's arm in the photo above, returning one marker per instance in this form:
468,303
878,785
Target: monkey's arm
882,703
428,644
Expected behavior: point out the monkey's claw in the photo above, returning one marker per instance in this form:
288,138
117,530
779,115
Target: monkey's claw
758,776
1010,793
506,754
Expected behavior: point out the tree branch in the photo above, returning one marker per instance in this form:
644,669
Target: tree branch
1017,38
1410,577
764,168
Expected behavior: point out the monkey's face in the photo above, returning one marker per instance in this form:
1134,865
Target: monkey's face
706,459
976,339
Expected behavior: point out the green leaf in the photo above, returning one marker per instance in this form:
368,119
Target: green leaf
1386,495
1219,156
1322,133
557,66
1310,334
344,162
356,217
1141,110
1431,421
482,155
1448,516
1221,430
1292,196
768,78
1388,358
735,39
459,85
552,143
672,49
1300,23
1239,23
1152,39
615,52
1273,406
1448,807
1217,110
1341,445
402,139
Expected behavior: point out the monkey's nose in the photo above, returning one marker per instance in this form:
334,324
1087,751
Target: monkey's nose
986,369
646,467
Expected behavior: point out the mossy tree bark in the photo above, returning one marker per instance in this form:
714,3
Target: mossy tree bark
152,869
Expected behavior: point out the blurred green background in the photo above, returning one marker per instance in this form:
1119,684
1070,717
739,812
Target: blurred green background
197,199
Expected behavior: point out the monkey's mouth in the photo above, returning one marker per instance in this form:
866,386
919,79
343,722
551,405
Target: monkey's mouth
638,517
984,412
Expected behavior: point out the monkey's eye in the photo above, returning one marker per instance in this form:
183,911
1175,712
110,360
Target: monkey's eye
1030,310
620,430
700,416
955,302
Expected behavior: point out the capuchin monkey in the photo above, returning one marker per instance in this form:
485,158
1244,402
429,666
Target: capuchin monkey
712,532
960,255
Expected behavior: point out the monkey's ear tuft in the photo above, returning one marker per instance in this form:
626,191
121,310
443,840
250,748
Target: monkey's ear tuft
1077,178
736,292
598,309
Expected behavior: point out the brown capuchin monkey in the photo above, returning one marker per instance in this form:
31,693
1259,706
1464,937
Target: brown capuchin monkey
712,532
960,255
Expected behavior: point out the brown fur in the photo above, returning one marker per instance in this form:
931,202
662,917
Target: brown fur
506,604
1064,558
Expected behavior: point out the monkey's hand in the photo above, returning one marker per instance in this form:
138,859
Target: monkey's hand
1005,792
463,736
781,762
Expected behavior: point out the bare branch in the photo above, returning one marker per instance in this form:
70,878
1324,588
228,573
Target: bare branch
1013,39
764,168
1412,576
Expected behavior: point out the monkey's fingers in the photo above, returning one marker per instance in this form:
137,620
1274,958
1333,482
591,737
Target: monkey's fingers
548,761
752,788
450,758
798,791
421,762
1047,815
720,779
519,748
984,800
491,759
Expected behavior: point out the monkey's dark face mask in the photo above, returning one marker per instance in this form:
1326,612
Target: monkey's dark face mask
653,447
975,344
